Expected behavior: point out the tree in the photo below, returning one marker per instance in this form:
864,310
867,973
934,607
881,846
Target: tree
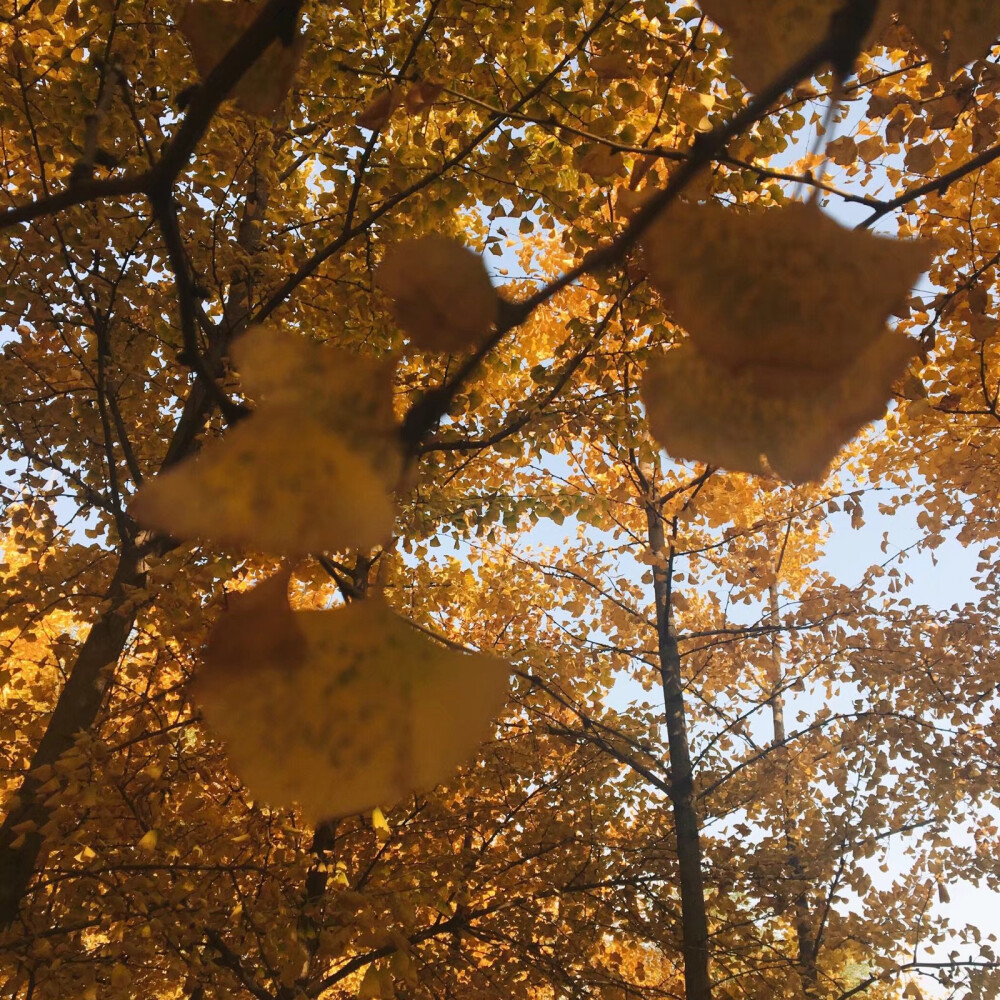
256,375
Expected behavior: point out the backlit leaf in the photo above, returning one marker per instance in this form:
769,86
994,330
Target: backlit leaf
211,26
346,392
379,823
147,842
612,66
766,419
601,162
442,295
787,287
953,33
369,712
371,984
421,95
376,113
279,482
765,37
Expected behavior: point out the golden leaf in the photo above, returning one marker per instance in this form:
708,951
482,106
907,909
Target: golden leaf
210,28
279,481
349,394
920,159
788,287
148,841
379,823
612,66
842,150
421,95
376,113
369,711
601,162
120,976
371,984
765,37
767,419
258,627
442,295
953,33
871,149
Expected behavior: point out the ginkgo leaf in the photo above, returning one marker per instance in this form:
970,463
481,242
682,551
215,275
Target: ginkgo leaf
121,977
601,162
421,95
281,482
366,711
379,823
765,36
767,419
376,113
148,841
952,33
211,26
788,287
258,627
442,294
612,66
349,394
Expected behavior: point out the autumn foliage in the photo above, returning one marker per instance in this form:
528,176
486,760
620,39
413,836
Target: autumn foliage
433,433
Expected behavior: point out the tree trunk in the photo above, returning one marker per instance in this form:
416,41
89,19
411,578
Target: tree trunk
694,921
79,702
805,936
76,709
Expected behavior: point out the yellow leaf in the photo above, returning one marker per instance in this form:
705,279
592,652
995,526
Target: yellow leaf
279,482
612,66
148,842
767,36
120,976
952,33
379,823
257,627
349,394
693,110
871,149
421,95
210,28
376,113
920,159
768,288
765,419
366,711
442,295
377,984
842,151
601,162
